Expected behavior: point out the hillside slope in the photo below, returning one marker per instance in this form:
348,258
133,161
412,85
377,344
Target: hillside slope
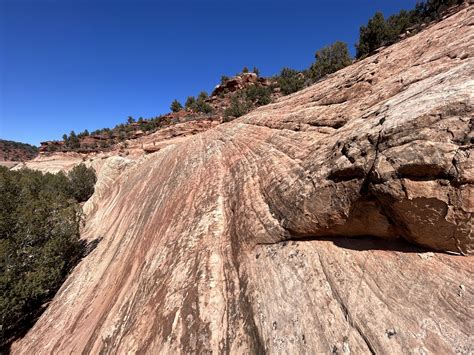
16,151
237,239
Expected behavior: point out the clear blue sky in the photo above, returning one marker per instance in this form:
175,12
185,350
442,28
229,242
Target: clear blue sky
76,64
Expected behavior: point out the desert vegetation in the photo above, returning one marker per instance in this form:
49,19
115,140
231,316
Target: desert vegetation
381,32
40,218
176,106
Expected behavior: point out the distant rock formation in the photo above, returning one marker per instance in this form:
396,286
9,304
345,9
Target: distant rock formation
240,82
15,151
219,100
326,222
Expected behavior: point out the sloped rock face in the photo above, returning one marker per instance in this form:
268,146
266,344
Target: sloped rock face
303,227
134,149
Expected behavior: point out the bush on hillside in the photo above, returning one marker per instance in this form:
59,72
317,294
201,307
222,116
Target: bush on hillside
380,31
71,142
433,9
237,108
373,35
202,106
199,105
258,95
330,59
190,101
290,81
81,181
202,96
176,106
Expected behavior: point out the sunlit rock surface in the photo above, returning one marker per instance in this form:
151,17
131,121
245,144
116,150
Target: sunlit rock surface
307,226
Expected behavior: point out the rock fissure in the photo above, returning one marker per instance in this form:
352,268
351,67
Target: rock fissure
352,323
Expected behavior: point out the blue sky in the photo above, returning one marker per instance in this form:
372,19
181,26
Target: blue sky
76,64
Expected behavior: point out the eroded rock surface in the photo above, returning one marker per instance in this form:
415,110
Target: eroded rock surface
303,227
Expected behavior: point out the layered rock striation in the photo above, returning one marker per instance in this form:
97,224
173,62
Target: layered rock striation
306,226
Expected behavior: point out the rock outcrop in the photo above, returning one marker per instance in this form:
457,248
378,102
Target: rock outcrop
306,226
219,101
240,82
134,149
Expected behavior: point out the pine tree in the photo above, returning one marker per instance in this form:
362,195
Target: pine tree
330,59
290,81
73,141
202,96
176,106
372,36
189,102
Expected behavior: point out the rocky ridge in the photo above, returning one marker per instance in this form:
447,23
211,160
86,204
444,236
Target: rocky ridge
306,226
219,101
11,153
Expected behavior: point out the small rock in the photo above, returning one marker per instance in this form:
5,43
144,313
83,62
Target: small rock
426,256
390,333
345,347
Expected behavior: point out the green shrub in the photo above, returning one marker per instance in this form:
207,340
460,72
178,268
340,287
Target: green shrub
237,108
189,102
202,96
379,32
199,105
258,95
290,81
202,106
433,9
330,59
39,245
175,106
224,79
73,141
83,134
82,181
372,36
